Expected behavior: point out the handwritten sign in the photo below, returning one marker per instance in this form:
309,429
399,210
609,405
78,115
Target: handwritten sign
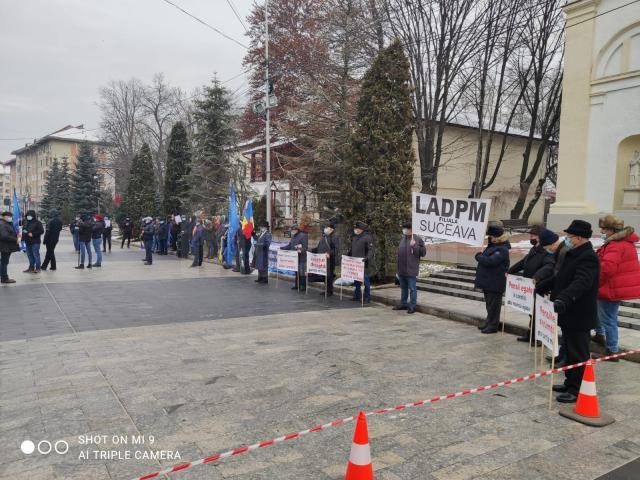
352,268
519,294
317,263
546,324
287,260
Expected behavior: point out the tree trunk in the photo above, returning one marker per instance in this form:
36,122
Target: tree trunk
534,200
522,198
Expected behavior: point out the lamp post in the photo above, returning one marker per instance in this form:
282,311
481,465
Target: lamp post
97,179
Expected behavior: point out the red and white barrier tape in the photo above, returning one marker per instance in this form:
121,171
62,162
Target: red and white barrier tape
380,411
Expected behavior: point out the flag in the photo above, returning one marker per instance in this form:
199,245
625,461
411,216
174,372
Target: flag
234,225
16,220
247,220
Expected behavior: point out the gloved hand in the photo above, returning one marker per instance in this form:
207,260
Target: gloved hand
559,306
478,255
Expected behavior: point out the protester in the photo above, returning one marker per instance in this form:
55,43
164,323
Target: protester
493,264
75,231
84,237
97,229
197,239
51,237
245,248
148,231
209,237
186,227
175,232
8,245
261,254
410,251
299,243
329,244
163,234
32,231
362,247
106,234
237,250
127,232
574,295
619,277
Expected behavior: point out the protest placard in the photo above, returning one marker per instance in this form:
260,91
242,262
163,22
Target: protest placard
520,294
352,268
546,324
287,260
317,263
456,219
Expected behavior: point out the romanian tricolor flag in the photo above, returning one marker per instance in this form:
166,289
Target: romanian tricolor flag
247,220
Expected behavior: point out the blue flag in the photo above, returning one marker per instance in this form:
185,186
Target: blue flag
16,220
234,225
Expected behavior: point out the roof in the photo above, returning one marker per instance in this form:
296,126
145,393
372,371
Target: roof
470,120
9,162
68,134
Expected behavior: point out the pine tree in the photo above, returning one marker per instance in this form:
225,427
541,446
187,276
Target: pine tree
379,161
51,189
140,199
176,187
84,182
64,193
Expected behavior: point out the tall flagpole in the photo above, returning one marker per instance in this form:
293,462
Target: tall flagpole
267,106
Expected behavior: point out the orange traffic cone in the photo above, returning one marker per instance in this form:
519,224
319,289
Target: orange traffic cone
359,466
587,409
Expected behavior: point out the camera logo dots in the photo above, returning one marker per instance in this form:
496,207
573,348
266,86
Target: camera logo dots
45,447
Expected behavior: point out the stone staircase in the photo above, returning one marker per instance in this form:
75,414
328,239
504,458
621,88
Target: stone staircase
458,282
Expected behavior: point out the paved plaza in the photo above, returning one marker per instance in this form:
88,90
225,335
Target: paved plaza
200,361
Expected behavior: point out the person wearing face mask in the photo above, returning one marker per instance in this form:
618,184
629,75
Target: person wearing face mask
85,228
8,245
106,234
197,239
493,263
574,295
74,227
410,251
261,255
32,231
148,231
299,243
97,229
329,244
362,247
51,237
127,232
619,277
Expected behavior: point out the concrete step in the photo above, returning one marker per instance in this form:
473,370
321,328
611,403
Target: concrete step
447,283
461,271
462,266
453,277
452,292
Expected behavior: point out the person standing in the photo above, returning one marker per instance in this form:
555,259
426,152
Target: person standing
84,237
261,254
97,229
51,237
329,244
410,251
32,231
148,230
175,232
163,237
75,231
8,245
197,239
208,237
619,277
299,243
493,264
127,232
106,234
185,239
575,300
362,247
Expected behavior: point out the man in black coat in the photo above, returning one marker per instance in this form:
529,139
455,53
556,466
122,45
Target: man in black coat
106,234
127,232
32,231
362,246
410,251
148,231
575,295
51,237
8,245
85,228
299,243
329,244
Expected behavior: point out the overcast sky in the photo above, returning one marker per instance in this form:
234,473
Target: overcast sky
55,54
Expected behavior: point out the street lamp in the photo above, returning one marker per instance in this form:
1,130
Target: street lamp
97,179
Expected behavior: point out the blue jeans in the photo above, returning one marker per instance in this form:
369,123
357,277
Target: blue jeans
608,323
33,253
85,246
408,284
367,289
76,240
97,246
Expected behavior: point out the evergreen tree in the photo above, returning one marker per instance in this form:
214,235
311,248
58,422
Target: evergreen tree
176,187
84,182
51,197
140,199
64,193
379,161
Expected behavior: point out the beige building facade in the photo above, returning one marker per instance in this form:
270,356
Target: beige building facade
599,153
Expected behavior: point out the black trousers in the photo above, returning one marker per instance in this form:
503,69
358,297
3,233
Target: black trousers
577,348
127,237
493,302
50,256
106,239
246,268
148,250
198,254
263,275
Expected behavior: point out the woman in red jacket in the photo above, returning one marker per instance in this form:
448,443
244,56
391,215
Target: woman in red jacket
619,276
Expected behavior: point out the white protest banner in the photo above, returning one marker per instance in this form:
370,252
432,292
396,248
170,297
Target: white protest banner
317,263
287,260
546,324
519,294
352,268
456,219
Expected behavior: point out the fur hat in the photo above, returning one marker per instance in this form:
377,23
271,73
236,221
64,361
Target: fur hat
611,222
495,231
580,228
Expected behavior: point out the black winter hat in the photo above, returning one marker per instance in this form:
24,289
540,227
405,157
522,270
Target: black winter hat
407,225
580,228
332,224
360,225
495,231
547,237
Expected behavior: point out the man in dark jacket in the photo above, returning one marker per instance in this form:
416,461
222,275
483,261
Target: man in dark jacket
97,229
329,244
8,245
197,239
32,231
148,230
185,238
410,251
362,247
575,300
261,254
493,263
106,234
127,232
51,237
163,237
74,227
85,228
299,243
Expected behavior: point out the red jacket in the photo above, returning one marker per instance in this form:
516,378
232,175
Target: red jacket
619,267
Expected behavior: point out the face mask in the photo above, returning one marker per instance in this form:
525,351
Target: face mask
405,231
29,217
7,219
327,231
568,244
263,229
294,232
533,242
603,236
549,251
